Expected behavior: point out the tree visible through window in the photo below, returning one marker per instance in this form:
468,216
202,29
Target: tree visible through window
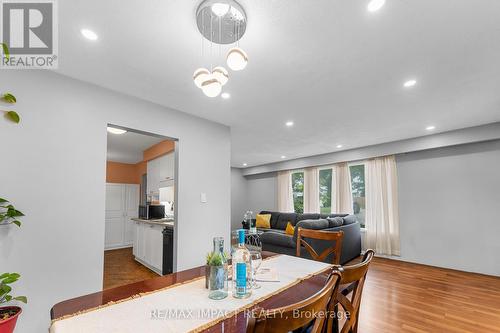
298,192
325,191
358,191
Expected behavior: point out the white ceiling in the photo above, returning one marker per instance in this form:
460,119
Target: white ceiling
128,147
333,68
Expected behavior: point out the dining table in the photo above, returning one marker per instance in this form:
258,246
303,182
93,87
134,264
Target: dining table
300,290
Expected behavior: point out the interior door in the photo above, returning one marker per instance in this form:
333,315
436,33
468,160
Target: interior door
115,195
131,211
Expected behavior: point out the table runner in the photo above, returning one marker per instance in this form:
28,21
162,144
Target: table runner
184,307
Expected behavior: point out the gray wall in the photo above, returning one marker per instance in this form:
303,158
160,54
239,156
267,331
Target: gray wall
448,201
53,169
239,198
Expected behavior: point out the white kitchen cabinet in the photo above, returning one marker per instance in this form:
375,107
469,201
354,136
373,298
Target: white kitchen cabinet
148,245
160,172
122,203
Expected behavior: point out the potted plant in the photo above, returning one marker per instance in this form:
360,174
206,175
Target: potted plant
9,214
9,314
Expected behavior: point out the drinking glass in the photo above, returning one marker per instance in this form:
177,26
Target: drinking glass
256,260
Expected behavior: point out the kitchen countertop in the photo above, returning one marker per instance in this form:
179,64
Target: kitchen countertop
168,221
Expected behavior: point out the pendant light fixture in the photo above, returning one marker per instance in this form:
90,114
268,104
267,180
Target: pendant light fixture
237,59
222,22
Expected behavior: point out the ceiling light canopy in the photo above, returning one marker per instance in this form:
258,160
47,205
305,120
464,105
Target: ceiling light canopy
117,131
245,164
430,128
221,21
375,5
289,123
339,146
283,157
89,34
410,83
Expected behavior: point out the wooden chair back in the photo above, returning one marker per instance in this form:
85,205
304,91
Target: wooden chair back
334,236
354,277
295,316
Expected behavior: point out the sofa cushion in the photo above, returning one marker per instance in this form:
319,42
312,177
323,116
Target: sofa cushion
319,224
350,219
335,222
283,220
274,217
278,239
335,215
324,216
308,216
263,221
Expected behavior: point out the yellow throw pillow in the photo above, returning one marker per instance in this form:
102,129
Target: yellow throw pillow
290,229
263,221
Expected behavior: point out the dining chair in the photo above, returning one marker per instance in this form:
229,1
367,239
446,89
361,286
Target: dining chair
296,316
353,278
334,236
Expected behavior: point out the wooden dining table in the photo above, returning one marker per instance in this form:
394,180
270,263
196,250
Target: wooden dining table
236,323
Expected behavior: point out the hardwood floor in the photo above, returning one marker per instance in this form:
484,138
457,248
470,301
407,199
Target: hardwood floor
120,268
406,297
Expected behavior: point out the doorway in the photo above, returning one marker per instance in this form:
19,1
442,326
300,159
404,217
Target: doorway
140,207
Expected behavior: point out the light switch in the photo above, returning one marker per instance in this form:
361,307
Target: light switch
203,197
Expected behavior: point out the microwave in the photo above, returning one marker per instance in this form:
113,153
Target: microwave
151,212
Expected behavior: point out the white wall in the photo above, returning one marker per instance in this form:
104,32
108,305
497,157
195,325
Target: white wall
53,169
448,201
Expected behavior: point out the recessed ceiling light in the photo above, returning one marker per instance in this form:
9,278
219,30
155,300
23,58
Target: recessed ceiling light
289,123
375,5
89,34
410,83
225,95
339,146
430,128
244,164
283,156
220,9
115,130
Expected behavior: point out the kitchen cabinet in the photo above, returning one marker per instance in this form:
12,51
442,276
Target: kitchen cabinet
122,204
160,172
148,245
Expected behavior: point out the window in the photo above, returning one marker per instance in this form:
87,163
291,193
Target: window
325,191
298,191
357,172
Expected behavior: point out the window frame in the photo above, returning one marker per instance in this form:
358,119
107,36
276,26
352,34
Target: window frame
356,163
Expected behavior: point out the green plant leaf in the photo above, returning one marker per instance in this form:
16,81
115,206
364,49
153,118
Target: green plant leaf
3,200
5,50
9,98
13,116
4,275
9,280
16,222
21,299
8,298
5,289
12,212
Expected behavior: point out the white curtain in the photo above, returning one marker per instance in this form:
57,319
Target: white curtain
311,190
285,193
382,214
341,187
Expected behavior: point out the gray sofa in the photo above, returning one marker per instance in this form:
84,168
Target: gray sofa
276,240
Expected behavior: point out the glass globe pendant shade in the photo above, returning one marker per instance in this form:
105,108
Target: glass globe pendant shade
221,74
237,59
211,87
200,75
